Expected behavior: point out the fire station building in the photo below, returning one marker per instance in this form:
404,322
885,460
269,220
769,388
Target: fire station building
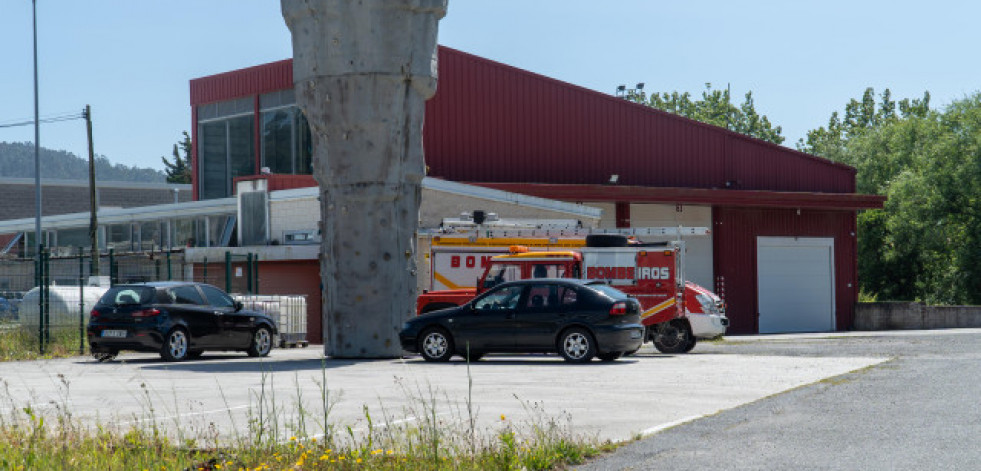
782,244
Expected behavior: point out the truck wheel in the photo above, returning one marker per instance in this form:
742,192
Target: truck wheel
691,345
673,337
606,240
576,345
436,345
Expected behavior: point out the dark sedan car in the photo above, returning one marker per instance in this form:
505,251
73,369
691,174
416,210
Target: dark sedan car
179,320
578,319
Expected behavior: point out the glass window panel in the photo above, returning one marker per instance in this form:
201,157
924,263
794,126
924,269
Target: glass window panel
150,235
184,233
277,140
74,238
241,152
232,107
304,145
120,236
214,160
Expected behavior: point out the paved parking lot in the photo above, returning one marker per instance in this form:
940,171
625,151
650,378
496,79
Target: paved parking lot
639,394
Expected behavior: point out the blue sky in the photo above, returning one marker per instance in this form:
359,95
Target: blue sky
132,60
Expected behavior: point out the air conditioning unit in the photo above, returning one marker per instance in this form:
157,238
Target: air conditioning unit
300,237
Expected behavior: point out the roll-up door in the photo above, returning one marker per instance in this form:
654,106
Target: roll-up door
795,284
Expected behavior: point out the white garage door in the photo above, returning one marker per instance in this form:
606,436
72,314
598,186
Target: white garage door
796,284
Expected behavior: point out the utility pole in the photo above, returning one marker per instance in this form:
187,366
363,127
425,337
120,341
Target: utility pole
37,150
93,204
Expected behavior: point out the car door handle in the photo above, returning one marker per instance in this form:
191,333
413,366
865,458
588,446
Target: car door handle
219,313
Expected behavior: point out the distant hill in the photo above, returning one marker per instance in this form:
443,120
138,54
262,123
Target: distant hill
17,161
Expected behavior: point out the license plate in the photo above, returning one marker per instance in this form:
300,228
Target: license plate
635,334
114,333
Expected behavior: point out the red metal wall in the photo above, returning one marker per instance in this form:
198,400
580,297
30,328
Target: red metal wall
734,246
296,277
490,122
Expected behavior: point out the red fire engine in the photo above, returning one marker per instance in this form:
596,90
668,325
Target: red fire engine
676,312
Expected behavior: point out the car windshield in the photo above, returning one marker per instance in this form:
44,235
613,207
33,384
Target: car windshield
609,291
122,295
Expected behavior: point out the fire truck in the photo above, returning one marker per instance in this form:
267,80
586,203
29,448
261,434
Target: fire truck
676,313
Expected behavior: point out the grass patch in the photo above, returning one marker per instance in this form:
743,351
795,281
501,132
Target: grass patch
19,343
287,431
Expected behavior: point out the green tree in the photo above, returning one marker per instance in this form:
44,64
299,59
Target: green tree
925,244
715,107
179,171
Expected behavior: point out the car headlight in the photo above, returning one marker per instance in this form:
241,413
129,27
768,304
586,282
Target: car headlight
708,304
406,325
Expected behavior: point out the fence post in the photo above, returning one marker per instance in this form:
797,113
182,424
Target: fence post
45,294
81,301
170,272
255,273
112,267
39,278
228,272
248,273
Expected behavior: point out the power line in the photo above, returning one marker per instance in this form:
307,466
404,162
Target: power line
52,119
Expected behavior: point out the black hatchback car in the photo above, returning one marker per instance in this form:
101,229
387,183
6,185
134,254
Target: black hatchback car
578,319
180,320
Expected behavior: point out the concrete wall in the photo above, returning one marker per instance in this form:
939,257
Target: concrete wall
903,316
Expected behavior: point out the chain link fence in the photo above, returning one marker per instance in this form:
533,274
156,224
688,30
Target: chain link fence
45,302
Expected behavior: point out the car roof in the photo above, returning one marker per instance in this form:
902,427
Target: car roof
163,284
561,281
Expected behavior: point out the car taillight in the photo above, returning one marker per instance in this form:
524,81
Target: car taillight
94,313
147,313
618,309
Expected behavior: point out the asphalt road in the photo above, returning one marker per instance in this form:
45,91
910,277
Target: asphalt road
919,410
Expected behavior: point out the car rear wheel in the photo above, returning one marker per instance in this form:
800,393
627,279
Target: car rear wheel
576,345
436,345
673,337
261,342
175,347
608,357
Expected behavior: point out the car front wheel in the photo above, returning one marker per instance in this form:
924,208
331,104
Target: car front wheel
576,345
436,345
261,342
175,347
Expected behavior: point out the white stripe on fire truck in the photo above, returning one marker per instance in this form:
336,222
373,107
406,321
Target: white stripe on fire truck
656,309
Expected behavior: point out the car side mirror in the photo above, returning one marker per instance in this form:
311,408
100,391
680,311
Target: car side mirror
238,306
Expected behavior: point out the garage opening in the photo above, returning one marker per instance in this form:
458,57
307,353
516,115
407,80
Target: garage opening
796,284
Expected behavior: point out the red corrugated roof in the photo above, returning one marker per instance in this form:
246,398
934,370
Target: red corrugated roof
494,123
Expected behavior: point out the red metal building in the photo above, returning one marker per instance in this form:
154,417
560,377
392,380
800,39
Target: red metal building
775,213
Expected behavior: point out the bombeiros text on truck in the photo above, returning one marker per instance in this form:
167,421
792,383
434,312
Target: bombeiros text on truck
676,312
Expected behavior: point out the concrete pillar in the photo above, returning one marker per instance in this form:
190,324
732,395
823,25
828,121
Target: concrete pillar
362,72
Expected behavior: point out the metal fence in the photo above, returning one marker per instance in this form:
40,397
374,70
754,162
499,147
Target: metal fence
45,302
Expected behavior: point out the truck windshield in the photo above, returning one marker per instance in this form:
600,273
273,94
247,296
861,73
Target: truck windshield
500,273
